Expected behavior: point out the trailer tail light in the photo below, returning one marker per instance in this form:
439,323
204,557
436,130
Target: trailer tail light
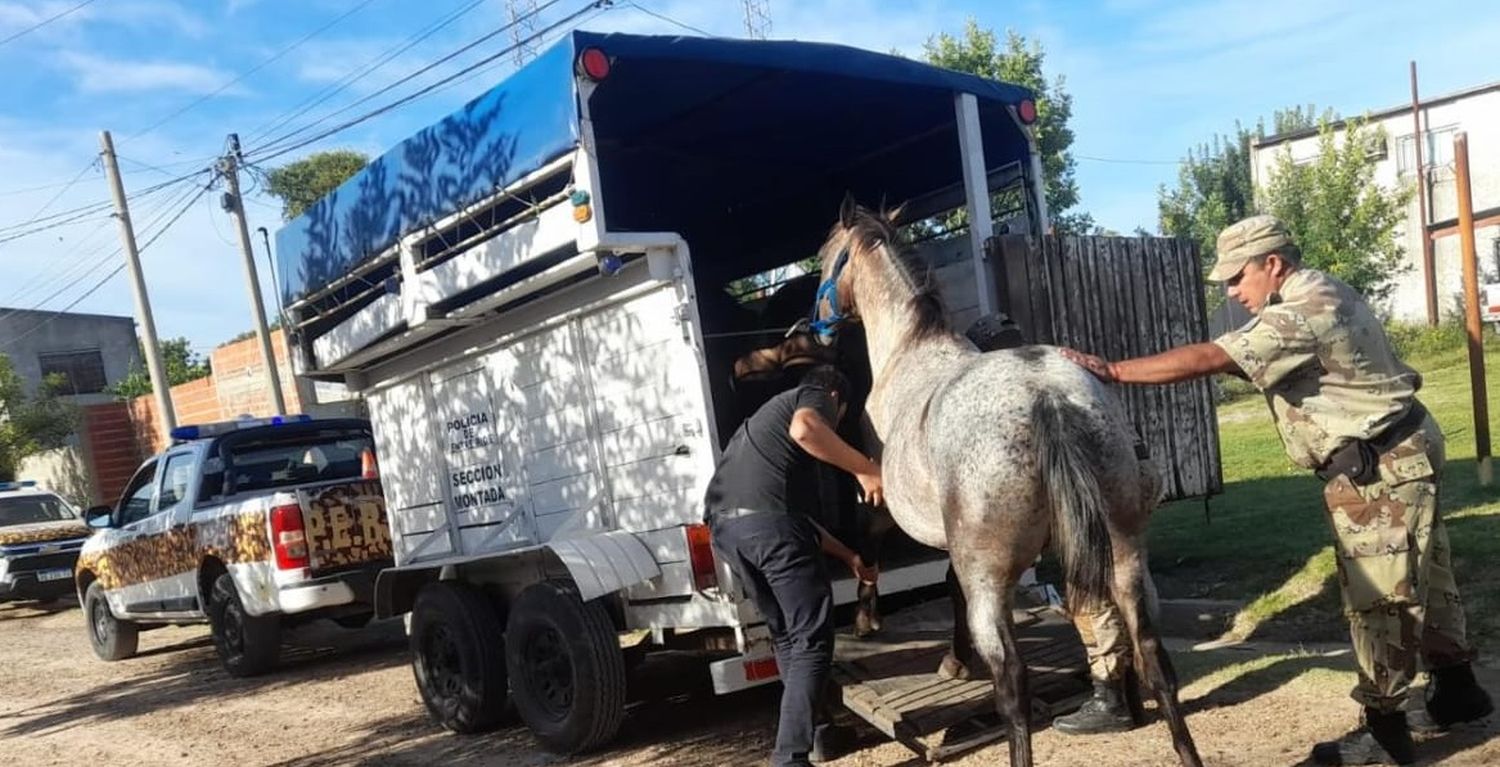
1026,110
701,555
368,467
593,63
758,670
288,538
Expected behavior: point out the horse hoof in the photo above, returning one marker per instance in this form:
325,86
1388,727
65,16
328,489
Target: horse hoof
954,669
865,628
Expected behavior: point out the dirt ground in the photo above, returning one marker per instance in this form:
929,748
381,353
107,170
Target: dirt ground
347,697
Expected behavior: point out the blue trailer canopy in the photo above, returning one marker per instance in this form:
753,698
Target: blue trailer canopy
702,136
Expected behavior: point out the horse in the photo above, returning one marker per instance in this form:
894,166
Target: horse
991,456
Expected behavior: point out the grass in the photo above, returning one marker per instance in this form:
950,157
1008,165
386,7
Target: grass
1266,542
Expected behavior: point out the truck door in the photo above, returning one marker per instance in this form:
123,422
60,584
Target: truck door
153,557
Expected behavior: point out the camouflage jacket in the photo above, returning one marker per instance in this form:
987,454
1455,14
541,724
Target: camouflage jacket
1322,359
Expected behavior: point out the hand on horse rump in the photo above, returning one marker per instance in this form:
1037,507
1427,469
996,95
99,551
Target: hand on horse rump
1092,363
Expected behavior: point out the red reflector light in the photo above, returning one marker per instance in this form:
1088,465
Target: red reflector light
368,468
765,668
288,538
701,556
1026,110
593,63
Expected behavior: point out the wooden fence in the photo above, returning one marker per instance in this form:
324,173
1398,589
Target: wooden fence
1122,297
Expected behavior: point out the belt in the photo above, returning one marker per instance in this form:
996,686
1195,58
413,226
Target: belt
1405,426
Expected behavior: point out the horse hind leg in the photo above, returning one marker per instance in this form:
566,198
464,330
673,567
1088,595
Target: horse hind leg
1133,596
993,633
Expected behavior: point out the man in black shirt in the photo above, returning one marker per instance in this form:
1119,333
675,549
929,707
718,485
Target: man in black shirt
759,508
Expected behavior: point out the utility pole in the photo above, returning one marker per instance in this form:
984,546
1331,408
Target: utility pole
757,19
160,386
523,15
1473,328
233,203
1429,265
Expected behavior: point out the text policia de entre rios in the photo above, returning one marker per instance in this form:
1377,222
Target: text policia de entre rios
478,496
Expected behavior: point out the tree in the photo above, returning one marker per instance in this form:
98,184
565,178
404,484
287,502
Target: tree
978,52
304,182
1214,183
1344,223
30,424
180,363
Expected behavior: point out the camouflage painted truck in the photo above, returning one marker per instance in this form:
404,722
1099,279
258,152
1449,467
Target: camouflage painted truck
543,297
40,535
246,525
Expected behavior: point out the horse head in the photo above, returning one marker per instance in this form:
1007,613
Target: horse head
857,232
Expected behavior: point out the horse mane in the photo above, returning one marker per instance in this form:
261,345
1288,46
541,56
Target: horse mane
871,230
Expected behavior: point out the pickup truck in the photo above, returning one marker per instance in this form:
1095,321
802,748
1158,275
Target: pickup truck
246,525
40,535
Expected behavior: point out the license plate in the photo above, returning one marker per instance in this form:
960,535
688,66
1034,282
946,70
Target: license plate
54,575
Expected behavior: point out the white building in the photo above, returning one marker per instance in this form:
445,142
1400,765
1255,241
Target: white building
1476,111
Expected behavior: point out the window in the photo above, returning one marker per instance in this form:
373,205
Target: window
136,504
30,509
276,461
1437,150
176,476
75,372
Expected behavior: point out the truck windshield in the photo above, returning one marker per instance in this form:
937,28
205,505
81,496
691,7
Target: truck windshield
277,462
30,509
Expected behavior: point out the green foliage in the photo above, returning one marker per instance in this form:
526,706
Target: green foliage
1020,61
181,363
1344,223
304,182
275,325
1415,341
30,424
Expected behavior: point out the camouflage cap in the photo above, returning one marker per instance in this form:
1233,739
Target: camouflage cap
1244,240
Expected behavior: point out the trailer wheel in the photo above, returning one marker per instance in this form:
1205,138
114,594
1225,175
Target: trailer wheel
111,638
566,669
247,644
457,658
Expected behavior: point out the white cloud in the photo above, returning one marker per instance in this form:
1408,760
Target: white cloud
97,74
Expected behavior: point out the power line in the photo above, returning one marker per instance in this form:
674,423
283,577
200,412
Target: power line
276,143
1123,161
358,73
46,21
273,150
252,70
93,207
113,272
670,20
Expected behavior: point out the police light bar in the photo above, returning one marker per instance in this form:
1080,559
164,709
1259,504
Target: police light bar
205,430
17,485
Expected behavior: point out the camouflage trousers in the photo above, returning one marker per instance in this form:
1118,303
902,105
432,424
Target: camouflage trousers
1394,571
1106,642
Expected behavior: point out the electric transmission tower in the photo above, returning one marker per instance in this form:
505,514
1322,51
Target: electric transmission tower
522,26
757,19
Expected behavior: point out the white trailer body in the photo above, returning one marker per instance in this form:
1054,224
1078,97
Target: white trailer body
540,364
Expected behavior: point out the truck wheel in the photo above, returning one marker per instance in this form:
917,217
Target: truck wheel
112,638
566,669
456,655
247,644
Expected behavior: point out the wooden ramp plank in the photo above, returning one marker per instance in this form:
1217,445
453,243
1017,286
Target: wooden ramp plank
891,680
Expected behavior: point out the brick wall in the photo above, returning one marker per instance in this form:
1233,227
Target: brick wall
119,435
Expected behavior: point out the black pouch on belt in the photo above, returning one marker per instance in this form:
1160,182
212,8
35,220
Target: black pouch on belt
1356,460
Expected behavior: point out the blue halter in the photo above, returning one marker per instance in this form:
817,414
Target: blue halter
825,329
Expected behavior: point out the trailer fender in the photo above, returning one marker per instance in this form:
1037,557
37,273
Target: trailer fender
396,588
603,563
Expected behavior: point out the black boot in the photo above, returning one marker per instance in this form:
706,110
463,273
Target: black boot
1453,697
1105,712
1381,739
830,741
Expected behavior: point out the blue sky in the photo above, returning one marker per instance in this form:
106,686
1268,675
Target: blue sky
1149,78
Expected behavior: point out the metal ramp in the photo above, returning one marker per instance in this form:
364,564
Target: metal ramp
890,680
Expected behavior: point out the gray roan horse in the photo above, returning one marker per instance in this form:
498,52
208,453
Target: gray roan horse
993,455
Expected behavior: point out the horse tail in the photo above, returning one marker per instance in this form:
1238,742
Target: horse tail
1070,480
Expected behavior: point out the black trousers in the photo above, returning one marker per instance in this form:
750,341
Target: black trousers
777,558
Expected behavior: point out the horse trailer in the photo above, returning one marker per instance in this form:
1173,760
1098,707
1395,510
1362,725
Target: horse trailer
548,300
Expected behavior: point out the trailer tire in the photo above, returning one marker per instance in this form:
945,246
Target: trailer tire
111,638
457,657
566,668
248,645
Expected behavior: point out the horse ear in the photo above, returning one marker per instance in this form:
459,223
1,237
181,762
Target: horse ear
893,215
848,210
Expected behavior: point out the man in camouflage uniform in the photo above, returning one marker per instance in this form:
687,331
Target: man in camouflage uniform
1115,704
1346,408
